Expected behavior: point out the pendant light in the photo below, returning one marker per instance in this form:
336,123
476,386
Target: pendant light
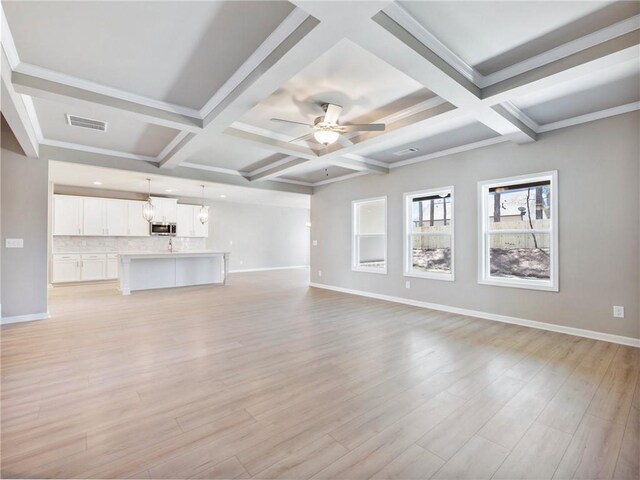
204,211
148,209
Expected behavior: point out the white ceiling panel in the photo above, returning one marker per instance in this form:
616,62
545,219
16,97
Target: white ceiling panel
491,35
605,89
178,52
347,75
124,133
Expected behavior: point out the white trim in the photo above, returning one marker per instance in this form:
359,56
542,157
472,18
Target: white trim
8,45
370,161
339,179
265,132
578,332
33,116
25,318
293,182
562,51
484,278
208,168
589,117
450,151
354,235
406,234
246,270
181,135
403,18
100,151
70,80
275,164
521,116
275,38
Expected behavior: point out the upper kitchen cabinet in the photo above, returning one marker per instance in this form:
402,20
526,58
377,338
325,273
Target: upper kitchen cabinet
67,215
93,216
137,226
166,210
189,224
116,215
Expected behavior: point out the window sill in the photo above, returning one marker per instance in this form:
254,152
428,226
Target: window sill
445,277
527,285
369,270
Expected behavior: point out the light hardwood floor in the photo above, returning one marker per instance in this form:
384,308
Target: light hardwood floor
270,379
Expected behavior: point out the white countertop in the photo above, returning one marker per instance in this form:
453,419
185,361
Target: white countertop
167,254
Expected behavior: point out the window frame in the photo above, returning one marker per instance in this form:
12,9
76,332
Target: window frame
407,234
355,236
484,271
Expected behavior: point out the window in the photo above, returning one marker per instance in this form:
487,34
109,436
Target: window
370,235
428,249
519,225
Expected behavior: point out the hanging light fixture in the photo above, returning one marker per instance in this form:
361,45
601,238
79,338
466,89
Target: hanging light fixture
148,209
326,136
204,211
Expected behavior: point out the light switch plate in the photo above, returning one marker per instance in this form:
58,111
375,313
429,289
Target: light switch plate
407,284
315,243
14,243
618,311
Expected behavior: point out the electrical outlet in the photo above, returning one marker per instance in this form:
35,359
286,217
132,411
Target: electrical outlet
407,284
618,311
14,243
319,273
315,243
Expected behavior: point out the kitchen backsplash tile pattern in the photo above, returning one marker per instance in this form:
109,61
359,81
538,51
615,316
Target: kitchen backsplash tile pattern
62,244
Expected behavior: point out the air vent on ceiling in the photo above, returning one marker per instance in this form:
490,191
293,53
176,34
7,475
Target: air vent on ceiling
76,121
406,151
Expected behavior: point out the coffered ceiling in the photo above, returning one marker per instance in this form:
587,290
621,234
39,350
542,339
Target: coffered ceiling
193,85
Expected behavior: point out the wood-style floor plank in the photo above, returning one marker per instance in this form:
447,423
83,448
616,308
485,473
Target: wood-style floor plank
268,378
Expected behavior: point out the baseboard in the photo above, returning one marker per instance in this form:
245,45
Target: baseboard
267,269
25,318
579,332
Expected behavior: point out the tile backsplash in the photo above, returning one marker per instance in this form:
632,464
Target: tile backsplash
62,244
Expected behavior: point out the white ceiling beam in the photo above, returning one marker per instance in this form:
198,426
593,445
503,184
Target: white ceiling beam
358,165
272,144
16,113
73,95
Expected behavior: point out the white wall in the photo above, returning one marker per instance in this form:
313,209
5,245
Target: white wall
259,236
24,214
599,252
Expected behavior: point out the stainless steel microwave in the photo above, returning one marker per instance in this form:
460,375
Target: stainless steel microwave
163,229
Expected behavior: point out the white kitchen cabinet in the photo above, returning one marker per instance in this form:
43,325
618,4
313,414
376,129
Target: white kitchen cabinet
112,266
166,210
67,215
93,216
66,268
137,226
93,267
188,224
116,212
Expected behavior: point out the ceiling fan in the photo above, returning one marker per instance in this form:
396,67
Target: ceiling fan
326,128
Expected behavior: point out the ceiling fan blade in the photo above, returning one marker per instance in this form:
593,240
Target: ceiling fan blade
308,136
281,120
344,141
366,127
332,113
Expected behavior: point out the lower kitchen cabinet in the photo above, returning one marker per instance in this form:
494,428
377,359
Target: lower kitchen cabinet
84,267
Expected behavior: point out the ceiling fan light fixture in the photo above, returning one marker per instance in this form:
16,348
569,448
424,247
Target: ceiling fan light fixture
326,137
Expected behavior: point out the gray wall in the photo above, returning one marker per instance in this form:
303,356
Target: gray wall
599,222
259,236
23,211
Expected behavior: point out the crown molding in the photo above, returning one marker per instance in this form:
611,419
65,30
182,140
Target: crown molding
521,116
100,151
562,51
70,80
589,117
180,136
33,117
8,44
282,31
277,163
208,168
293,182
339,179
407,21
370,161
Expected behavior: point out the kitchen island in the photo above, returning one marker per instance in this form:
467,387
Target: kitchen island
150,270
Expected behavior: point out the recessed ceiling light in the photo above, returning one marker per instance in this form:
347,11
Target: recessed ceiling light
97,183
223,196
